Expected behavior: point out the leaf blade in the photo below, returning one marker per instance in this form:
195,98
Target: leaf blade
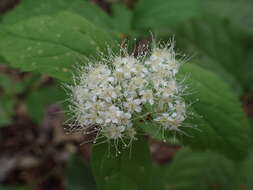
122,172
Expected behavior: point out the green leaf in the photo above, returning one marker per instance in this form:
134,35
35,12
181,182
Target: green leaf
46,45
9,89
47,7
121,14
220,47
39,99
2,60
127,171
251,132
79,176
153,14
238,11
9,86
247,174
221,123
84,8
192,170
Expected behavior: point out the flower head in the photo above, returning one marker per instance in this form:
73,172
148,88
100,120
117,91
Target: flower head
110,97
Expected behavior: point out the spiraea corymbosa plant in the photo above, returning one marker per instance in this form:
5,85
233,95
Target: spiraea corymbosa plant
121,99
114,97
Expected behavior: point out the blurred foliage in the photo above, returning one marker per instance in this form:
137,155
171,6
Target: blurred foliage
7,111
9,90
41,99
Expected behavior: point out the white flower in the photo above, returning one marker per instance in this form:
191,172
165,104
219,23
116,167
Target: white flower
80,94
133,105
112,115
108,93
125,119
130,132
99,106
136,83
124,67
118,61
170,122
109,96
113,131
179,106
147,96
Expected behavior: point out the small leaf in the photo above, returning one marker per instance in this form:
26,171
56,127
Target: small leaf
42,98
9,86
7,110
2,60
9,89
127,171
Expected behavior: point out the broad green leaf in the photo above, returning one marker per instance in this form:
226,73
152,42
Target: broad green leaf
129,170
48,7
220,118
84,8
220,122
192,170
46,45
220,47
78,175
238,11
39,99
151,14
121,14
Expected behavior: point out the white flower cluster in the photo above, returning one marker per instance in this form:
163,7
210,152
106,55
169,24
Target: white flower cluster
111,97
